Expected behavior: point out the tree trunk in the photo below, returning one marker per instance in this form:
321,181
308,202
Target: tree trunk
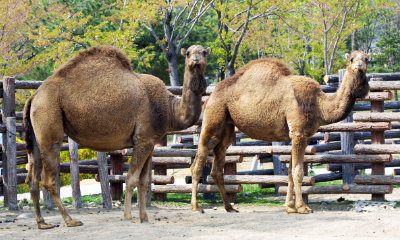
173,68
229,70
354,40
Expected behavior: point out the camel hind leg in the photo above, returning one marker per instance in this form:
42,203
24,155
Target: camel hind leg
214,122
33,179
140,163
217,171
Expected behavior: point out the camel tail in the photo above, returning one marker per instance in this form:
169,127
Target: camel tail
28,129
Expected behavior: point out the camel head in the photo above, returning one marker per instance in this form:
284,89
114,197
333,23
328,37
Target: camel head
357,61
195,65
196,56
357,66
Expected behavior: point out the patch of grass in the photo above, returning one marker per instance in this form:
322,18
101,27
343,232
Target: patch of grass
336,182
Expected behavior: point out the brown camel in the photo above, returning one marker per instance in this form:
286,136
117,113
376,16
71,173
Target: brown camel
98,101
266,101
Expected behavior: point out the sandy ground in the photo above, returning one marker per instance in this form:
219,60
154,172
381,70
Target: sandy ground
330,220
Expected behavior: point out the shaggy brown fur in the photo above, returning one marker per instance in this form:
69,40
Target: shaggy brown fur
265,101
98,101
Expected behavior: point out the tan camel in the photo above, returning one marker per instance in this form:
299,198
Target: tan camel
98,101
266,101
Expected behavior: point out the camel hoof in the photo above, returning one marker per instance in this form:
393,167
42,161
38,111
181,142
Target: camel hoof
44,225
198,210
128,218
231,209
304,210
74,223
291,210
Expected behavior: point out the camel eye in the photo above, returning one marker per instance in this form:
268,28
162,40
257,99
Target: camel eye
366,59
205,52
187,54
351,59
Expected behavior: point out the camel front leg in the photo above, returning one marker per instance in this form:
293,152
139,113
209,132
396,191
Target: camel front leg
140,155
290,207
299,144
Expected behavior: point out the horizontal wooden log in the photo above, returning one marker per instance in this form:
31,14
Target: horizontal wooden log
188,188
329,88
252,179
20,178
356,135
20,161
156,179
376,116
18,116
377,148
228,159
374,96
195,129
341,189
396,171
377,96
383,76
384,85
171,160
356,127
328,158
377,180
177,90
327,177
232,150
367,106
264,158
360,166
21,170
257,172
327,147
92,169
18,127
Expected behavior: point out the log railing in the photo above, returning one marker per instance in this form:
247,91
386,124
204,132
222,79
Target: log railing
367,126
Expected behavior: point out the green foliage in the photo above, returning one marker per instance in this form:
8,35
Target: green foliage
388,50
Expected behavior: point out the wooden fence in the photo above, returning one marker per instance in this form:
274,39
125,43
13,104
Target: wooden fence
374,128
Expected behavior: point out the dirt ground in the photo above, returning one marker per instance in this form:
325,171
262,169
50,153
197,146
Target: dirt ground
330,220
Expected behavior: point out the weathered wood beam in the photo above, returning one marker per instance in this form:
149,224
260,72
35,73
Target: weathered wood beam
377,179
188,188
248,179
356,127
341,189
232,150
328,158
377,148
376,116
359,166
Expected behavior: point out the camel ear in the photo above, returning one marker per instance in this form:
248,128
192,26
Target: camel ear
183,52
207,51
347,56
368,57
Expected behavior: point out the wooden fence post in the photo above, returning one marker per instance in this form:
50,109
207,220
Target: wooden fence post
378,137
279,168
74,169
104,181
347,144
160,170
8,111
116,168
11,183
230,169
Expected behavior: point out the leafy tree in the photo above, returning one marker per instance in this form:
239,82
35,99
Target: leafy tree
178,18
388,50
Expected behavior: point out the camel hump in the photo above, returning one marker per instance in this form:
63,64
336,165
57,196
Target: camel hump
101,50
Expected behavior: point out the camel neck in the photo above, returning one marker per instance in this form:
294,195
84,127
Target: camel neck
338,106
187,109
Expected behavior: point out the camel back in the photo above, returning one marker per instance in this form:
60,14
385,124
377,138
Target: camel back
107,51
